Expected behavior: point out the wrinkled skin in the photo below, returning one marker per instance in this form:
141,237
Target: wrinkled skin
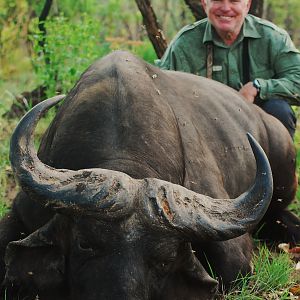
172,126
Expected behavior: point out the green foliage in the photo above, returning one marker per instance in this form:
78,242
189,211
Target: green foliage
8,188
123,24
3,209
271,272
13,31
71,8
68,50
286,14
271,278
172,16
5,171
70,47
145,51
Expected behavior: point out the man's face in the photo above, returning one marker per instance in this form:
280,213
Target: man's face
227,16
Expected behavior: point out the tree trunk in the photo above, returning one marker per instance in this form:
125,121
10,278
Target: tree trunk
153,28
257,8
196,8
42,18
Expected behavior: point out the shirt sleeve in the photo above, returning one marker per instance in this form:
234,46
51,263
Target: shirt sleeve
173,59
169,61
286,81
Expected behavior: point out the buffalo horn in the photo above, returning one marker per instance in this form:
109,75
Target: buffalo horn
206,218
115,193
98,189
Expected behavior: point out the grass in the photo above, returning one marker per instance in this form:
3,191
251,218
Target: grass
8,186
6,179
272,278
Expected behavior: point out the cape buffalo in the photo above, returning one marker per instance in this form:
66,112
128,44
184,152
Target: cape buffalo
138,188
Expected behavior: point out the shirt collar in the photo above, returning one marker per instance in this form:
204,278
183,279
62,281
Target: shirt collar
248,30
208,37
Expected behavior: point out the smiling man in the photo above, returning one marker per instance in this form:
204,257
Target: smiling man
227,17
247,53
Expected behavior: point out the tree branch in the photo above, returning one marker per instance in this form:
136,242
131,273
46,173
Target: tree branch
257,8
153,28
196,8
42,18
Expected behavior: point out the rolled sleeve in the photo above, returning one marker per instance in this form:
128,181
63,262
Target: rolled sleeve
286,81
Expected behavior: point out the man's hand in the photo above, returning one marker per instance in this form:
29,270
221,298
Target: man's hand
249,92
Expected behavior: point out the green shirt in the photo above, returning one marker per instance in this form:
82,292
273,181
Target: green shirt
273,58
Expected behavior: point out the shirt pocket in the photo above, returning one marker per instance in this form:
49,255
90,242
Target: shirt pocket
218,76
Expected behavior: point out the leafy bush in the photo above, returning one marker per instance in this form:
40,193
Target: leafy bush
6,179
68,50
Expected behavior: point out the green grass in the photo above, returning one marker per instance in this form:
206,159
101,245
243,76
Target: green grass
271,279
6,179
8,186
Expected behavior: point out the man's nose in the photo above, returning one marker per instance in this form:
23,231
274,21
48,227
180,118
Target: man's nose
226,5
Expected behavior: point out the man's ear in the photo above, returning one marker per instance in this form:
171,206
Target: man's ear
36,263
249,5
204,4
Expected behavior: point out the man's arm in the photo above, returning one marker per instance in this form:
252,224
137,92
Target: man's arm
168,60
173,59
249,92
286,81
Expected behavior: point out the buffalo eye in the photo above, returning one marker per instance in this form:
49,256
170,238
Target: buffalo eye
86,246
165,265
83,245
163,256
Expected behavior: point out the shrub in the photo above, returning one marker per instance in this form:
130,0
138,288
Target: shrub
68,50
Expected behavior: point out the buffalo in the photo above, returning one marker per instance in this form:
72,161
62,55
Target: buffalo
143,184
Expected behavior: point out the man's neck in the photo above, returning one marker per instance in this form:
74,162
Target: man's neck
228,38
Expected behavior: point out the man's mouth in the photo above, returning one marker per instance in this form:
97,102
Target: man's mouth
227,18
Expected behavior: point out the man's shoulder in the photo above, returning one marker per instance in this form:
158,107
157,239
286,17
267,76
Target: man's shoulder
197,28
266,27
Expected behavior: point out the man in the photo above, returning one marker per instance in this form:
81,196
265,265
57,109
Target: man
244,52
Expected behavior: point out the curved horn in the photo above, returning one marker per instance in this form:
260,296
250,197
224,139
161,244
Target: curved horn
205,218
115,193
98,189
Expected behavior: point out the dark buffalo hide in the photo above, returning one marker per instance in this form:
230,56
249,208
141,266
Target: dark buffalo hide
136,201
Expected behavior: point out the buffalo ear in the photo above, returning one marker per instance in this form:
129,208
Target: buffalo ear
36,263
190,280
